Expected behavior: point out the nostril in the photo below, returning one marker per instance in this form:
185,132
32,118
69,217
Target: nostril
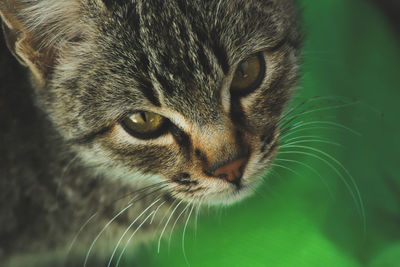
231,171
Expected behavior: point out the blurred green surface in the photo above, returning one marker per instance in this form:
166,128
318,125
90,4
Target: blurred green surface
298,218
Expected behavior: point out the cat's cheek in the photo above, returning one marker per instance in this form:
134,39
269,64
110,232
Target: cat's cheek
261,159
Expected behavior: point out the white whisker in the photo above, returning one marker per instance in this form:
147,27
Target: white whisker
111,221
183,235
357,199
308,111
127,242
154,215
302,104
197,216
304,137
310,141
127,229
163,230
330,123
78,233
176,220
64,171
102,230
310,168
286,168
285,134
166,213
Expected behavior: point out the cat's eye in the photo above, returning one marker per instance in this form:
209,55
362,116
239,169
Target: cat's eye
249,75
145,125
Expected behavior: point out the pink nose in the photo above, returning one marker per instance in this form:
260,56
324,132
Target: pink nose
231,171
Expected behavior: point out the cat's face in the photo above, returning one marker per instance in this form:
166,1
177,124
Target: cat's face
188,92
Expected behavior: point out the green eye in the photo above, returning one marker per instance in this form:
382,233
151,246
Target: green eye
145,125
249,75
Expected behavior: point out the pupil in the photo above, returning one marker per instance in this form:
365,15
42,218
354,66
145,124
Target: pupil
144,117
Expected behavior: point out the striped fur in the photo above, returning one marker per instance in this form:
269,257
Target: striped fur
95,62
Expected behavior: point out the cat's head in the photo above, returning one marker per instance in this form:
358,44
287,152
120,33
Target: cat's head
184,91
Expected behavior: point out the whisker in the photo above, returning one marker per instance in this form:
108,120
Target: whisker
166,213
357,199
176,220
311,141
127,229
112,220
330,123
293,109
163,230
127,243
296,125
304,137
154,215
285,168
290,132
310,168
64,171
196,216
95,214
78,233
183,235
137,191
303,113
301,104
102,230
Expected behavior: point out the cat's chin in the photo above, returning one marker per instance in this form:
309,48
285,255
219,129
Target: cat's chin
233,196
226,194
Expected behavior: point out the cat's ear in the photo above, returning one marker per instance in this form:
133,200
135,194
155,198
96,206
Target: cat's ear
36,30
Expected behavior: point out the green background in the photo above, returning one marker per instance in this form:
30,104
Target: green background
299,218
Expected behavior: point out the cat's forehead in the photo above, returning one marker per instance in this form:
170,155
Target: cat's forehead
190,30
185,49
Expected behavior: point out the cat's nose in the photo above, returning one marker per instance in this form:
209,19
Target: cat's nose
231,171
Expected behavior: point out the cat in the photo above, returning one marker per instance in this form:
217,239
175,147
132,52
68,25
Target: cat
137,109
